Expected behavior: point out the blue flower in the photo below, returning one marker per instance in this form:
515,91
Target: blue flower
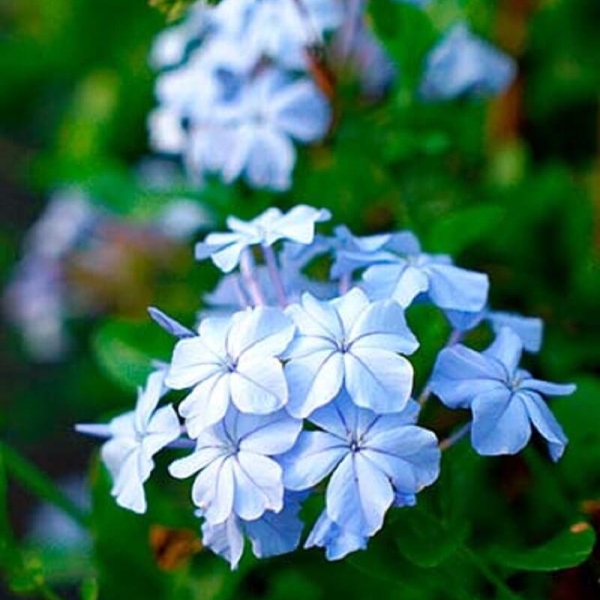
529,329
232,360
506,401
337,542
135,437
225,249
372,458
237,474
272,534
279,29
170,325
463,64
349,342
402,272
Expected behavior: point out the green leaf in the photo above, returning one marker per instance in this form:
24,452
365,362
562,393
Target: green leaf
127,349
425,539
462,228
568,549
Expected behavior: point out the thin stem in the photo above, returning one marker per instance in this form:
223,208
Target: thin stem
239,292
274,274
248,273
455,437
345,283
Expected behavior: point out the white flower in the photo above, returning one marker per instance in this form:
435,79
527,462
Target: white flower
136,437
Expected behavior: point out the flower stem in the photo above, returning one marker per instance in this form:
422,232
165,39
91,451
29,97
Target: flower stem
459,434
249,276
275,275
345,283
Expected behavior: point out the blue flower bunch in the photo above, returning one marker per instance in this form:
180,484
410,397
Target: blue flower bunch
300,388
242,81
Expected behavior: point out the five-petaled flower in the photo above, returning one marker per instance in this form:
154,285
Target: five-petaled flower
373,458
505,400
135,437
237,472
232,360
349,342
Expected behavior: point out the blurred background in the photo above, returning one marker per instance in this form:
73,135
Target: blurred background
95,227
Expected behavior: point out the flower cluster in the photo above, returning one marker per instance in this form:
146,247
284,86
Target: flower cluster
242,81
292,393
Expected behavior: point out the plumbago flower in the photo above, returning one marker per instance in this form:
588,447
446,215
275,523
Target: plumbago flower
225,249
237,472
464,65
232,361
372,458
351,342
291,396
135,437
397,268
506,401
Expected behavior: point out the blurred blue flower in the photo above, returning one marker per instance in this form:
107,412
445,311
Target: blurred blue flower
272,225
136,437
232,360
279,29
505,400
349,342
371,457
272,534
463,64
237,474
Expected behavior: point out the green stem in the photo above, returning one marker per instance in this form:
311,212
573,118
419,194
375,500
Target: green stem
40,484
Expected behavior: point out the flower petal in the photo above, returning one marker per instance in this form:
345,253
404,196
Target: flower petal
258,385
378,379
268,434
454,288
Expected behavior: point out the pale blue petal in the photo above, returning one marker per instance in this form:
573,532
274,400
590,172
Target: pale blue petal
319,319
349,308
263,331
358,496
314,456
302,112
163,429
382,326
148,399
398,281
225,539
337,542
206,404
258,385
258,485
548,389
214,488
378,379
544,421
500,424
464,321
529,329
169,324
276,533
313,381
454,288
192,363
297,225
269,435
339,417
460,374
128,488
198,460
506,349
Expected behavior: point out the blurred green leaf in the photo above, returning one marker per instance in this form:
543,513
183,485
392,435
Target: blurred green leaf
126,350
568,549
40,484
